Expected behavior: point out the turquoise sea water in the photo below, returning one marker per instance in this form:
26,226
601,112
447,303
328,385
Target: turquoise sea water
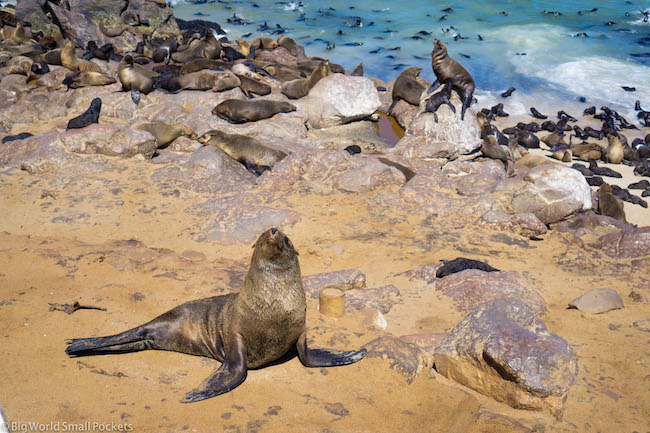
522,45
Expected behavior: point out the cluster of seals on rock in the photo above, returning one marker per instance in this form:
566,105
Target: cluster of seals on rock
448,69
91,115
256,157
70,60
239,111
300,87
243,331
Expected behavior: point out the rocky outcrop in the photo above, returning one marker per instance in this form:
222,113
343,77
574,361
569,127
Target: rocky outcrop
551,192
110,139
338,99
348,279
401,356
502,350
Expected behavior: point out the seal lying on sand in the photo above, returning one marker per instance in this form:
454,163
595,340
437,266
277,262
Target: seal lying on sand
447,68
243,330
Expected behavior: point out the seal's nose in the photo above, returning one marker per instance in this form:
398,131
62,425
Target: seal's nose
274,231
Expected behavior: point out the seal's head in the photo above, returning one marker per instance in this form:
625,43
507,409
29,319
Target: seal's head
439,47
412,71
273,246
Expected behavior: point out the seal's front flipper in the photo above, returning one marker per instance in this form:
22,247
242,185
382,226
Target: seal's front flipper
433,87
135,96
229,376
326,357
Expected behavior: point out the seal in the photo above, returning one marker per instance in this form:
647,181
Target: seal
614,153
164,51
256,157
242,330
202,80
70,60
85,79
165,133
447,68
407,87
134,76
289,43
250,85
238,111
91,115
264,42
300,87
440,98
609,205
460,264
196,65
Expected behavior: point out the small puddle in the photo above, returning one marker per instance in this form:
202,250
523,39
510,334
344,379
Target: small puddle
388,129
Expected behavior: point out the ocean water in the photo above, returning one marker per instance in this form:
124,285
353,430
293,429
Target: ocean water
521,44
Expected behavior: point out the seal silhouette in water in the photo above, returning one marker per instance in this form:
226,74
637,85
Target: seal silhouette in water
243,330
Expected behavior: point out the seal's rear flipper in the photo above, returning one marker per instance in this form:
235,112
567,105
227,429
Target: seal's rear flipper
135,96
228,377
326,357
133,340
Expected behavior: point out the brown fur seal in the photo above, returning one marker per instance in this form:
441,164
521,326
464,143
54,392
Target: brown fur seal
563,154
165,50
52,57
243,330
491,149
134,76
207,48
238,111
196,65
256,157
202,80
447,68
407,87
85,79
19,65
243,46
165,133
438,99
586,150
609,205
249,85
614,153
289,43
70,60
264,43
299,88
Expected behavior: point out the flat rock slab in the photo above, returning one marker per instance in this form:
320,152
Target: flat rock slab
402,357
472,287
630,244
347,279
503,351
598,301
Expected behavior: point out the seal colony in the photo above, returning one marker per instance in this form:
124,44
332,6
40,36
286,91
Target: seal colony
243,331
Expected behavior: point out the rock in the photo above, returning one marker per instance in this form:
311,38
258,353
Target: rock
381,298
598,301
348,279
370,176
281,55
184,144
630,244
338,99
78,26
524,224
31,11
112,139
401,356
13,153
503,351
427,342
472,287
550,192
592,224
447,138
236,220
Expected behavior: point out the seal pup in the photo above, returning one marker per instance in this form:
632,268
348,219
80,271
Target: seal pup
614,153
256,157
447,68
407,87
289,44
164,52
249,85
85,78
440,98
70,60
165,133
238,111
300,87
91,115
264,42
536,114
242,330
609,205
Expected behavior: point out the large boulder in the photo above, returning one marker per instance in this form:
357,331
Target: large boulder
338,99
502,350
446,138
112,139
551,192
633,244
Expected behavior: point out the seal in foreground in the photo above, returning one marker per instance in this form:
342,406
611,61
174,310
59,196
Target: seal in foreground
243,330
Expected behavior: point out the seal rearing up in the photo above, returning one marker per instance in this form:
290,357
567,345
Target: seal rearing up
243,330
447,68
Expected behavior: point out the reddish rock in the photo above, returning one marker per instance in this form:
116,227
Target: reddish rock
401,356
348,279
